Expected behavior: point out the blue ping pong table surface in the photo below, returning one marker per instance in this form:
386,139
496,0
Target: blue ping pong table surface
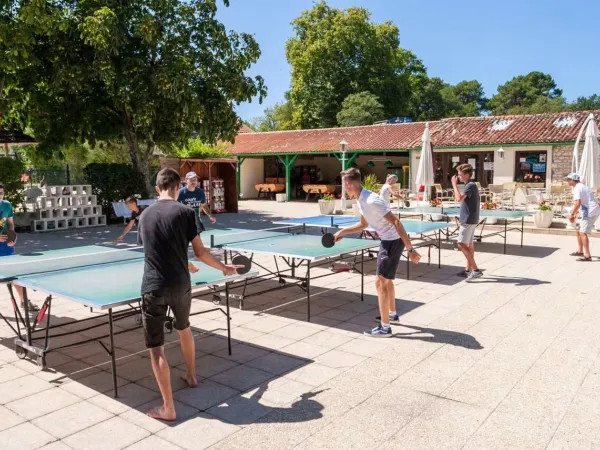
282,243
410,226
97,276
455,212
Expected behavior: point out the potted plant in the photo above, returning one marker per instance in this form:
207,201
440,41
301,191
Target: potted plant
435,203
327,204
487,206
543,215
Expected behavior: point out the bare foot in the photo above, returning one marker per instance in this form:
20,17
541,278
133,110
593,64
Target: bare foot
191,381
161,413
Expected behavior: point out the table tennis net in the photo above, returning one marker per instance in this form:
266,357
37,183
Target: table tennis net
219,240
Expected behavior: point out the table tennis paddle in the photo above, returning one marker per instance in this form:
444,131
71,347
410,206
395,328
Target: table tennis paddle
328,240
11,236
244,261
407,203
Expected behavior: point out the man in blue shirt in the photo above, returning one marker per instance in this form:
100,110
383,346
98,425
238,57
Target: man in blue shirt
191,195
8,248
469,218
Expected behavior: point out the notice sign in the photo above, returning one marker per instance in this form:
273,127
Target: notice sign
522,159
488,165
539,168
455,159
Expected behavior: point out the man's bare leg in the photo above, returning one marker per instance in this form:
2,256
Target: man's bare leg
161,370
19,290
585,244
464,248
382,299
391,296
188,348
579,242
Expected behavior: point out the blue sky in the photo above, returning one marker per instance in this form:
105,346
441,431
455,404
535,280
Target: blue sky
487,40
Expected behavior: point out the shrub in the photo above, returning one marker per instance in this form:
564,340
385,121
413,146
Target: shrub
114,182
11,171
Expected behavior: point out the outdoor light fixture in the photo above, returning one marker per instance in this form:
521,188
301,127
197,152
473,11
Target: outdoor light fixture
343,149
370,164
343,146
500,152
388,163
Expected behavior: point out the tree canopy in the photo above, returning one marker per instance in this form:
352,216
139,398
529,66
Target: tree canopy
335,53
363,108
145,72
536,90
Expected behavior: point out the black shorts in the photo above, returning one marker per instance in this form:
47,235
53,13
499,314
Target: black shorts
155,305
199,224
388,258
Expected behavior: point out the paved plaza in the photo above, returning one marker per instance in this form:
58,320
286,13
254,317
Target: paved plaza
508,361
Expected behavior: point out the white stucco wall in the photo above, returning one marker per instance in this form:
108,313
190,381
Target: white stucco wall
252,173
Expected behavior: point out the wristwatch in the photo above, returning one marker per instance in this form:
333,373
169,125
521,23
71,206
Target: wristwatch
410,250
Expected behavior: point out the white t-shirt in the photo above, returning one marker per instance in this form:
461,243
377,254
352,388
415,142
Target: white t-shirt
373,207
589,204
385,192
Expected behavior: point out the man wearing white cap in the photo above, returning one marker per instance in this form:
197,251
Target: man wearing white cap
590,211
193,196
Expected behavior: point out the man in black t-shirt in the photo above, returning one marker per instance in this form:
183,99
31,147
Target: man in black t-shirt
165,230
136,211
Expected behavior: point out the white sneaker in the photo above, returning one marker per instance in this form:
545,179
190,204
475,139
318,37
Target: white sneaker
474,274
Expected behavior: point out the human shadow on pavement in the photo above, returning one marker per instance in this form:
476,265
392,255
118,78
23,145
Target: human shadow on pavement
517,281
439,336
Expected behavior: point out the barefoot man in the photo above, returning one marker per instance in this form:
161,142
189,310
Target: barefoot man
165,230
375,212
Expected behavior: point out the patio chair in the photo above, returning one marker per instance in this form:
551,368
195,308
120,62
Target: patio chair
443,194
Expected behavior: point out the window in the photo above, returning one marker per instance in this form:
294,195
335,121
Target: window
531,167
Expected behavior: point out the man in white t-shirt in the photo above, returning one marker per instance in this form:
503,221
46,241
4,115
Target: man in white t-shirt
374,211
590,211
387,190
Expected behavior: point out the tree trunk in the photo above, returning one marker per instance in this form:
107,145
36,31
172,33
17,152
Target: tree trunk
139,159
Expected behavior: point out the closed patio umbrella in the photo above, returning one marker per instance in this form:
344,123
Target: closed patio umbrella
589,167
425,175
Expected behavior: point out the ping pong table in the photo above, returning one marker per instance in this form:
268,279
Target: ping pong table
429,234
100,277
294,253
510,219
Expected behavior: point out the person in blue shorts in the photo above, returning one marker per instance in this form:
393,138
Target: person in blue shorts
8,248
193,196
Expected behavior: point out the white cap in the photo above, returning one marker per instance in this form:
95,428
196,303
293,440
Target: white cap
190,175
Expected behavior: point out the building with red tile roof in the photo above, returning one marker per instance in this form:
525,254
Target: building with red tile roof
539,145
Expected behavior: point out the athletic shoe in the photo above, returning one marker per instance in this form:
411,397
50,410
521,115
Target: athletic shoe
463,274
474,274
379,332
394,320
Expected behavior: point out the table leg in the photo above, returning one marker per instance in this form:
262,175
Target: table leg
112,353
308,289
440,249
522,229
228,318
505,233
362,275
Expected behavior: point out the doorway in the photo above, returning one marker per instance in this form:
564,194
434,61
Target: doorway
446,164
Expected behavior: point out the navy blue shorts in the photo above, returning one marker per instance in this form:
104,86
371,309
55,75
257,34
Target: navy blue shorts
389,257
5,250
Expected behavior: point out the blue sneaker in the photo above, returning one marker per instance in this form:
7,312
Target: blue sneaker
393,320
379,332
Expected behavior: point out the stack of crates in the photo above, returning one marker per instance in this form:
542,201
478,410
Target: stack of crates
66,207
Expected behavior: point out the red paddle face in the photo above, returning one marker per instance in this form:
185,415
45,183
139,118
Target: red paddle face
328,240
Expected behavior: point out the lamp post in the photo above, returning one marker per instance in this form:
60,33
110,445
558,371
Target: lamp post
343,149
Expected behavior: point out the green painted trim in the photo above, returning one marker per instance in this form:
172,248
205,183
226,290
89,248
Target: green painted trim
351,160
238,174
324,153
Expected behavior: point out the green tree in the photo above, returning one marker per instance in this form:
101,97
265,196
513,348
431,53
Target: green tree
534,92
363,108
195,148
275,118
143,71
335,53
465,99
427,102
585,103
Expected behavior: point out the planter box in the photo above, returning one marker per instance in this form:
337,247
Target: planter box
543,219
327,207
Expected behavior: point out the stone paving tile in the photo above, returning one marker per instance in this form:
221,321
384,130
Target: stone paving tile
313,374
277,363
24,437
271,342
139,417
328,339
304,350
9,418
199,432
71,419
112,434
57,445
10,372
296,332
42,403
153,442
22,387
208,393
337,359
242,353
242,377
130,396
93,385
210,365
177,381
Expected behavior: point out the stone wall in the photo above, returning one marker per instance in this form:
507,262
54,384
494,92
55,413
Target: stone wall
562,159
